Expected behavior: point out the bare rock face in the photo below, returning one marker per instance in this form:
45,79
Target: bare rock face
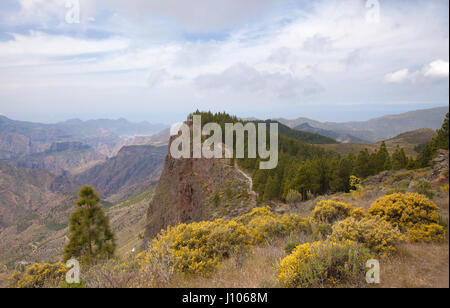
13,144
440,164
192,190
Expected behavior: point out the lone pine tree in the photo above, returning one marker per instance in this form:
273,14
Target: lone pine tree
91,237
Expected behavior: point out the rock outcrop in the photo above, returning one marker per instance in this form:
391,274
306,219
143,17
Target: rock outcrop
440,167
192,190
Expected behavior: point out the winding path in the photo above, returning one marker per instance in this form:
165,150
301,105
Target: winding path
249,179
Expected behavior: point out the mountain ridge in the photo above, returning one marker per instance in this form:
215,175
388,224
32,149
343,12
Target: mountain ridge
380,128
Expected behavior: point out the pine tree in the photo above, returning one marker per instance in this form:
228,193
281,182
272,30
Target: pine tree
431,149
383,159
399,159
91,237
362,167
272,190
443,135
342,172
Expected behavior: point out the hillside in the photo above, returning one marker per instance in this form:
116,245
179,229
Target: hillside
63,158
305,136
25,191
381,128
133,170
409,141
340,137
41,235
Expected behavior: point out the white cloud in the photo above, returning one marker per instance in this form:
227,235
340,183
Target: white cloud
243,78
397,77
42,44
436,70
198,15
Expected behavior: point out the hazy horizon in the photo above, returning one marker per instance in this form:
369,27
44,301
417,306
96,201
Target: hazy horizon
290,117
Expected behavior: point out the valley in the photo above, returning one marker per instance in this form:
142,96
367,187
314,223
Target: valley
144,190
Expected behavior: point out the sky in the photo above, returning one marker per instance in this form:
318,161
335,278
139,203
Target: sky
160,60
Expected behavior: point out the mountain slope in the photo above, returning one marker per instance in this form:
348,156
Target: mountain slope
132,171
63,158
409,141
381,128
303,136
340,137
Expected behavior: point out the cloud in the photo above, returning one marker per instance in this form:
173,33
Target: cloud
198,15
397,77
42,44
435,71
243,78
438,69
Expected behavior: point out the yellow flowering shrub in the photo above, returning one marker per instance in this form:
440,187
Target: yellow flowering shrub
264,225
358,213
197,248
426,233
330,211
323,264
39,276
405,210
372,232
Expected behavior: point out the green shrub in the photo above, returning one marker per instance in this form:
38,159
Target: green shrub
423,187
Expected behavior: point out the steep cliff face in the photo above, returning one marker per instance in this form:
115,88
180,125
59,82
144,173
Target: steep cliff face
194,190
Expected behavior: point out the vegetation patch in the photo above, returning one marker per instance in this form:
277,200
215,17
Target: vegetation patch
405,210
372,232
323,264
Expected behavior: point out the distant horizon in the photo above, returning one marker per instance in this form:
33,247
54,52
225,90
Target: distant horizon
168,124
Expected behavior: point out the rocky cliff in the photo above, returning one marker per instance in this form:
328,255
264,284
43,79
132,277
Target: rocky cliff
194,190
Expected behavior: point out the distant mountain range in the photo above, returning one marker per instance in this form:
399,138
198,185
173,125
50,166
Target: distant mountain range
18,138
339,137
373,130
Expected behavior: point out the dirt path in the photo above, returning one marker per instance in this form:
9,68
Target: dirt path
249,179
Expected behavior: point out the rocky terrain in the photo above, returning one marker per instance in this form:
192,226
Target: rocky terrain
63,158
194,190
133,170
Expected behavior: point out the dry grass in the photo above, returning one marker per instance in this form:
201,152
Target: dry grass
417,266
256,270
